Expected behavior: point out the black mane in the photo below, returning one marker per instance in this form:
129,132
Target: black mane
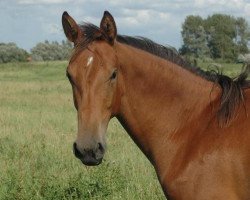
232,92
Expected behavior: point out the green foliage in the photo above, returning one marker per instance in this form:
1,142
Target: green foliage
11,53
47,51
218,36
242,35
194,37
221,34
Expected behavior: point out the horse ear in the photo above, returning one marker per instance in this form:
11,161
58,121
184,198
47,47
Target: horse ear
108,27
70,27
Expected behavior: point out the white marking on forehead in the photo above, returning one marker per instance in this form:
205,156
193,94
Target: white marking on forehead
90,60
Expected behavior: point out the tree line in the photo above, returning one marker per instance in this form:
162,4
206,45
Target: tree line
216,37
219,36
43,51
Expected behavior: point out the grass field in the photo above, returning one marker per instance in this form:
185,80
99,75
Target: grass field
38,127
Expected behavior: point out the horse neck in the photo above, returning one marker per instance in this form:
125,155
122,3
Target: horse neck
159,100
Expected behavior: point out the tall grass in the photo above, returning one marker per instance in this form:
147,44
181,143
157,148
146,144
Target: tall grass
37,129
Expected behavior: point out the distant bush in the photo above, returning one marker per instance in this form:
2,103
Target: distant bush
243,58
45,51
10,52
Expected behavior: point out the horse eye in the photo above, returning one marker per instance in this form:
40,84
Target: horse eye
113,76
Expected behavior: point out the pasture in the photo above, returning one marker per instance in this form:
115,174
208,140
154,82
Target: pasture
38,127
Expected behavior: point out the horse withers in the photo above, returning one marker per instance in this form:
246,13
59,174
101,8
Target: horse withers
192,125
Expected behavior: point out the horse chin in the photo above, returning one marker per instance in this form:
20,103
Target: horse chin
90,161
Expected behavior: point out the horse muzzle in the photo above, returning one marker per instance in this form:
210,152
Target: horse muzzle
90,157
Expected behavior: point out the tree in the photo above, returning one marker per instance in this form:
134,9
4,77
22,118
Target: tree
221,33
191,36
242,35
66,48
218,36
51,51
10,52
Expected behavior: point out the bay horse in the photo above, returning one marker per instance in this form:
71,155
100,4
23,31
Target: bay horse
192,125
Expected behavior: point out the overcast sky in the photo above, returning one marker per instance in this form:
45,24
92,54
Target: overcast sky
27,22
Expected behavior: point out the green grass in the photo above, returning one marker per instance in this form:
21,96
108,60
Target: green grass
38,127
229,69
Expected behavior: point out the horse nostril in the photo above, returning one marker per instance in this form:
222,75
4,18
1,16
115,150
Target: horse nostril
77,153
101,148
